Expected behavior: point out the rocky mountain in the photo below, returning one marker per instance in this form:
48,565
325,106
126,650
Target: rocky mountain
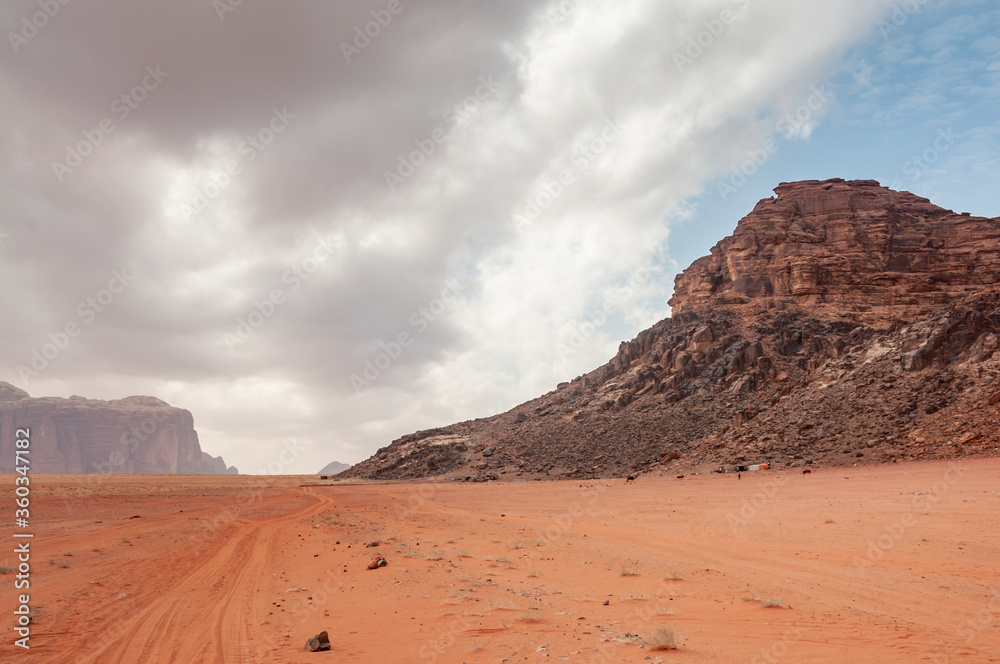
333,468
77,435
845,250
841,323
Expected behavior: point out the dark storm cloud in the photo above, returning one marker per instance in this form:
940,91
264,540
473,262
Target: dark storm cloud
291,196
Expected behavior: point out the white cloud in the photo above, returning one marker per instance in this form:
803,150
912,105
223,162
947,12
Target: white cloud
595,92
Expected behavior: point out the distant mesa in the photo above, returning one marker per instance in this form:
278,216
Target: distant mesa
333,468
841,323
138,434
10,393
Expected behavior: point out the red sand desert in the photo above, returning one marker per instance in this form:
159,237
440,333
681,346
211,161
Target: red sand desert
893,563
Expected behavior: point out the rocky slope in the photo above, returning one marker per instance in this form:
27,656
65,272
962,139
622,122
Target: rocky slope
77,435
841,323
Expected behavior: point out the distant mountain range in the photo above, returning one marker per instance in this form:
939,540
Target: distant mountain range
333,468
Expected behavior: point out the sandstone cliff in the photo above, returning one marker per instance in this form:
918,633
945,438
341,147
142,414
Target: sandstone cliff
845,250
841,323
77,435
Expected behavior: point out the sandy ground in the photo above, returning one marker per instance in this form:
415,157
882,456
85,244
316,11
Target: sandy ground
895,563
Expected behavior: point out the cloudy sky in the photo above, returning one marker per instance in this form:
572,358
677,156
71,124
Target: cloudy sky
338,223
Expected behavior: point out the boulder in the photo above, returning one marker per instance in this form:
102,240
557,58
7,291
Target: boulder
702,339
681,361
318,643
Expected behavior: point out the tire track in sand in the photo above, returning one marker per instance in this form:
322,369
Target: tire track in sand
195,623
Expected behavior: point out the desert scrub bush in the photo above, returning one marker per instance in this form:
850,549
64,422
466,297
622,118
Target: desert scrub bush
531,615
502,560
502,603
664,638
629,570
771,602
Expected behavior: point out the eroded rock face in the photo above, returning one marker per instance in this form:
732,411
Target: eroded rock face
845,250
842,323
10,393
77,435
211,465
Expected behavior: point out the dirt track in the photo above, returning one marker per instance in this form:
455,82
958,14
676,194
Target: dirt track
880,564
